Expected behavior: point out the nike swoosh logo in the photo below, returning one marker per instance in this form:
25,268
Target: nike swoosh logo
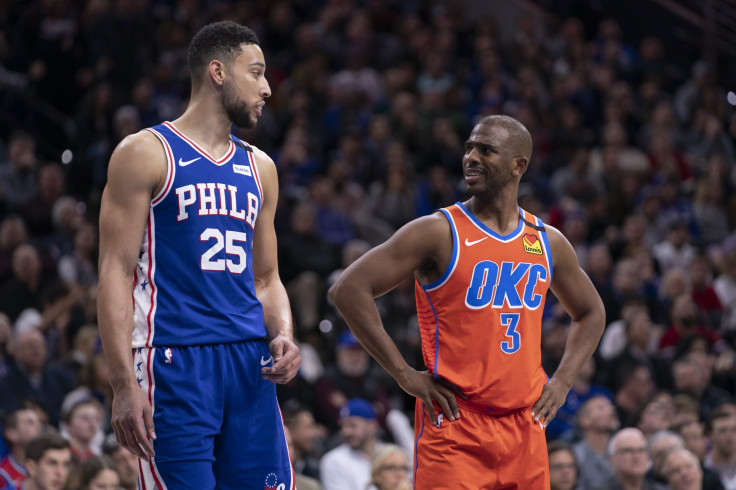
266,362
469,243
184,164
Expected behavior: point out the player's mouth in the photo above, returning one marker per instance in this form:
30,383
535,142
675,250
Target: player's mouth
473,174
259,109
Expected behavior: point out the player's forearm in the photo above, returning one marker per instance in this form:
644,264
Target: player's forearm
358,308
276,309
115,317
582,340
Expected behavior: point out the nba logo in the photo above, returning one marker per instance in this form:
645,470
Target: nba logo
168,355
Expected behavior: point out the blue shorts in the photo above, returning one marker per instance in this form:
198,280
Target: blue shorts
217,421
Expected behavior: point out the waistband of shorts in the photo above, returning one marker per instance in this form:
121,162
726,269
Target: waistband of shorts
486,410
213,344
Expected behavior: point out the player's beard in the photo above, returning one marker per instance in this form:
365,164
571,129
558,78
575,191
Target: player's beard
496,180
238,110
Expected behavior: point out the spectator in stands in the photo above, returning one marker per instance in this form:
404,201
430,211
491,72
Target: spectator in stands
683,471
641,346
684,323
659,446
630,461
350,376
23,289
656,415
5,335
34,377
693,435
37,212
348,466
721,426
703,294
19,426
597,421
305,437
390,469
583,389
18,174
725,287
48,460
13,233
302,481
82,422
80,267
99,473
126,463
633,385
692,375
675,251
563,467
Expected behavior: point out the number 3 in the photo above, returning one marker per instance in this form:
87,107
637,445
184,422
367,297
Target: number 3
230,248
511,321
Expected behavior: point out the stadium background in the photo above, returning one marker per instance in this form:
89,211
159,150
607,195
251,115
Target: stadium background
372,100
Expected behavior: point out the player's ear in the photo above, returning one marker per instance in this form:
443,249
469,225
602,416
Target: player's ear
519,166
216,70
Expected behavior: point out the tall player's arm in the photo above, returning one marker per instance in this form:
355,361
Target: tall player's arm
419,245
581,301
269,288
136,172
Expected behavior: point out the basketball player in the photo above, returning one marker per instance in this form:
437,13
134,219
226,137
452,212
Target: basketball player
482,270
188,273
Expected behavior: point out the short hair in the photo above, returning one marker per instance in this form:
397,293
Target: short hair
68,412
720,412
555,446
519,139
382,455
219,40
92,467
36,448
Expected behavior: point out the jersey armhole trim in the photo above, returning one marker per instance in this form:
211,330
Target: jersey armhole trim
453,259
170,168
545,245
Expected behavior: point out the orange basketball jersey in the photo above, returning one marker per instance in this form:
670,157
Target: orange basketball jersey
481,321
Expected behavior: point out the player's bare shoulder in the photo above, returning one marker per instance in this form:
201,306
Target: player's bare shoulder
432,238
139,160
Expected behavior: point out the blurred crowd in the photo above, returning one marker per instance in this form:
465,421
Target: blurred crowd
634,161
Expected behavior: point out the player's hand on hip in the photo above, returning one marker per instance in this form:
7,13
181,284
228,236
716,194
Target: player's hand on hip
423,385
132,421
286,360
553,397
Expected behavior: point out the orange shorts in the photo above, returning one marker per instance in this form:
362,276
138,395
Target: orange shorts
480,451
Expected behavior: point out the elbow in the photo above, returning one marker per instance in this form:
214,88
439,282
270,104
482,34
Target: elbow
599,315
334,292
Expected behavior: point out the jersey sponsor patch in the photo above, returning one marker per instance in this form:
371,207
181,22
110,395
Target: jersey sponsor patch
242,169
532,244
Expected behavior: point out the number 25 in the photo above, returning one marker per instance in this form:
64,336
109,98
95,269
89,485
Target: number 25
230,239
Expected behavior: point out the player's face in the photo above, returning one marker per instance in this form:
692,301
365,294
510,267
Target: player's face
105,480
245,90
486,164
52,470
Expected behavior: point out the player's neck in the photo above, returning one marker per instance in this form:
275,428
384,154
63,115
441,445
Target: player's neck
209,128
501,214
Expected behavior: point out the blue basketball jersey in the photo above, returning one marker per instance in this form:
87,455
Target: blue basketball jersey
194,280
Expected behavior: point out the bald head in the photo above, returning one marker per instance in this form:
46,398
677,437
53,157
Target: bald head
519,141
